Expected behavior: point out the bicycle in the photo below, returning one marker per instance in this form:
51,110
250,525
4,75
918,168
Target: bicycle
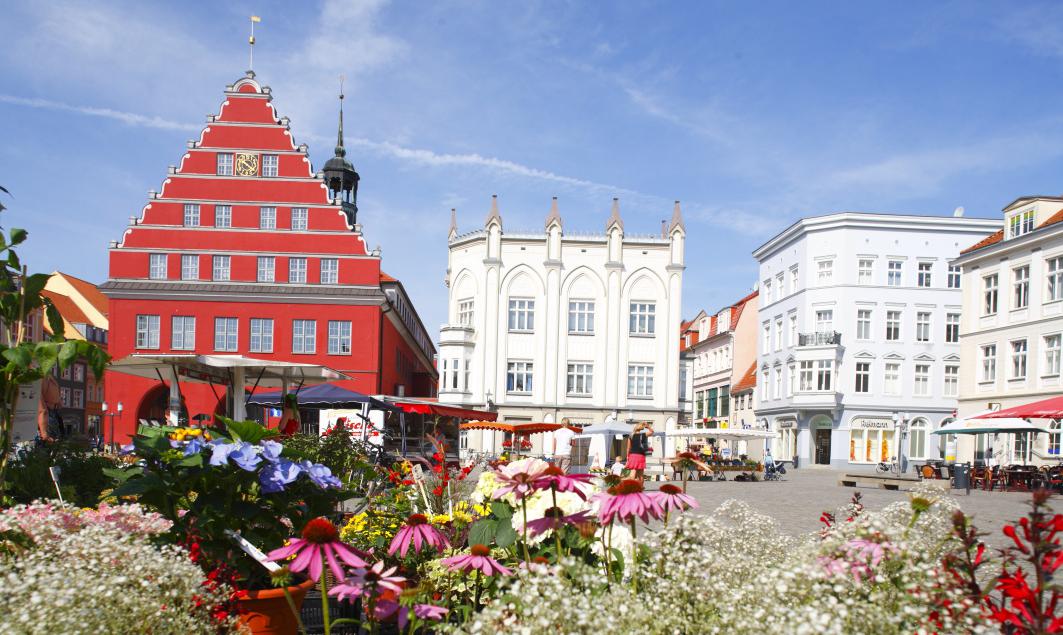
891,467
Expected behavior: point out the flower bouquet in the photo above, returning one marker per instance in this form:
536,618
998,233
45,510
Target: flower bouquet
240,482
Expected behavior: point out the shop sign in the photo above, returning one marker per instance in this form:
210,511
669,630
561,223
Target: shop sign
788,425
871,423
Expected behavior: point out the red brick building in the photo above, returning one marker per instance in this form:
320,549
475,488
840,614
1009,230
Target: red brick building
246,250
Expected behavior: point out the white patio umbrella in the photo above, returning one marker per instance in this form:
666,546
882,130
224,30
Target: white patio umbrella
977,424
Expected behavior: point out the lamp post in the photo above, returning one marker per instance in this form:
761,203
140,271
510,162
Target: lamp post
900,419
111,416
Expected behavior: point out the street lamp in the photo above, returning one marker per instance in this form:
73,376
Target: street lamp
112,415
900,419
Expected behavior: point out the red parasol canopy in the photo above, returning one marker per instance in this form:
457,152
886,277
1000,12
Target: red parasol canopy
516,427
1051,408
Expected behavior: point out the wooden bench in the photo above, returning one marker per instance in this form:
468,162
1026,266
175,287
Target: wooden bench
885,481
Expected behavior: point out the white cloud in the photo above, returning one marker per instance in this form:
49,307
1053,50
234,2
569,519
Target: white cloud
128,118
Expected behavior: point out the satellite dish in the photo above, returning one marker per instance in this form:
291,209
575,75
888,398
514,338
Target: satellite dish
958,212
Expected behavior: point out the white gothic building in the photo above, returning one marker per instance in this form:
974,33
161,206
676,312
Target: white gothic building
551,326
859,352
1012,325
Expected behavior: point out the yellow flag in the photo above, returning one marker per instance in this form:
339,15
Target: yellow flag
255,18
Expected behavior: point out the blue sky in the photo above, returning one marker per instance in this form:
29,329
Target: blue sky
752,114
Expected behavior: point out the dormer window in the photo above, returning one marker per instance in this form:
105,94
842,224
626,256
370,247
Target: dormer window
1021,223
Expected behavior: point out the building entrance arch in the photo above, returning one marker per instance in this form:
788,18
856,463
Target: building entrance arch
155,403
822,428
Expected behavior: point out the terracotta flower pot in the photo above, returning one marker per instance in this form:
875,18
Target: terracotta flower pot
266,612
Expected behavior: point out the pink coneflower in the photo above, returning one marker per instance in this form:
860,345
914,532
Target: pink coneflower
320,539
418,531
626,502
672,498
554,478
368,581
480,559
384,609
518,478
555,518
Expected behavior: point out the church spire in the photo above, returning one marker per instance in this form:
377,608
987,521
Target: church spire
554,216
677,219
340,176
340,150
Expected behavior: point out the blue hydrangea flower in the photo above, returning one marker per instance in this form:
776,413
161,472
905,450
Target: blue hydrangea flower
195,446
128,448
221,453
246,456
276,475
271,450
321,475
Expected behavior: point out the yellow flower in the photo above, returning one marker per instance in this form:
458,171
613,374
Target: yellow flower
440,519
194,432
462,517
482,510
356,525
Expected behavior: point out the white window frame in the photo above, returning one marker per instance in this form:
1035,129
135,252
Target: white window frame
865,271
223,216
330,271
955,276
1054,279
824,320
922,326
267,269
891,379
260,335
893,325
642,318
300,219
951,387
824,375
894,273
466,311
191,218
226,334
267,217
952,328
990,294
1020,282
1020,349
148,332
794,279
183,333
580,379
221,269
640,381
520,377
521,315
224,164
792,336
765,340
157,266
304,332
922,380
1051,345
988,356
297,270
778,334
190,266
581,317
339,337
806,376
825,271
925,274
862,378
791,384
270,165
863,324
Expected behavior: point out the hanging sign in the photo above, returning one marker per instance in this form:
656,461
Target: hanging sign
871,423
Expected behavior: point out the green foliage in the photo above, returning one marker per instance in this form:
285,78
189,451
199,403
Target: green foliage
204,500
338,450
83,475
249,431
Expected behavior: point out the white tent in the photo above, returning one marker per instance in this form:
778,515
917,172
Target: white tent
976,424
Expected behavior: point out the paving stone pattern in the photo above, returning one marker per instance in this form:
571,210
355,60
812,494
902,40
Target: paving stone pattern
796,503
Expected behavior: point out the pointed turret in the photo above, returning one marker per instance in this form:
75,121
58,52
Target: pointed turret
677,219
453,223
614,218
493,215
554,216
340,176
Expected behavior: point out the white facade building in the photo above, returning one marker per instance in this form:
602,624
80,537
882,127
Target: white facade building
1012,324
859,335
553,326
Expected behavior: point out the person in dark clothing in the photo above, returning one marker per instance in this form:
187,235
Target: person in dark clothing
638,446
49,420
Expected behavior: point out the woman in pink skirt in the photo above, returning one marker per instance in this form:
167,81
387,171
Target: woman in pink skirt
638,445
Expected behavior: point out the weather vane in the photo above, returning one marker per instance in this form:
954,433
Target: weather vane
251,41
341,86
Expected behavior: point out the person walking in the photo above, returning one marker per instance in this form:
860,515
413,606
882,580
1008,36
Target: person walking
49,420
638,445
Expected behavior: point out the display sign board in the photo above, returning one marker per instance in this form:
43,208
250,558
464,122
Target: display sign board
29,399
418,472
871,423
787,425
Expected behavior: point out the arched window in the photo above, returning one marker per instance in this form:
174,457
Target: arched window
917,439
1055,435
945,440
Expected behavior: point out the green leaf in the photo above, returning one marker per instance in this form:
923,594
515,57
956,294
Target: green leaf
505,535
192,460
122,475
501,509
55,319
13,260
249,431
139,485
20,356
34,284
68,353
47,354
18,235
152,439
483,531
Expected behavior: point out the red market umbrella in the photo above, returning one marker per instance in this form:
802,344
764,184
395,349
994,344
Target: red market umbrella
1051,408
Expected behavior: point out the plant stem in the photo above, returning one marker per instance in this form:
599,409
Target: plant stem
557,530
634,565
324,598
478,581
524,507
295,611
684,473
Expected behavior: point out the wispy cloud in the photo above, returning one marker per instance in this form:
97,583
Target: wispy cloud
128,118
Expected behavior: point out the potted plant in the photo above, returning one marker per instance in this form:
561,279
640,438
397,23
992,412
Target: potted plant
225,488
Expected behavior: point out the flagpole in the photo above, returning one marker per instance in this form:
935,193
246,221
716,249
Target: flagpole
251,42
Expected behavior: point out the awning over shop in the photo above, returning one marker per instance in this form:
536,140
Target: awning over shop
724,433
981,423
1051,408
321,396
517,427
425,407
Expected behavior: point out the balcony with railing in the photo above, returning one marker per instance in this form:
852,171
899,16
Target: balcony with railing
819,338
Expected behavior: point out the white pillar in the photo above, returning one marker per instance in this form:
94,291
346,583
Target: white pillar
174,412
239,413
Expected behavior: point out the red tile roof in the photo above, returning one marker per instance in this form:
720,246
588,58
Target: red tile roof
386,278
70,311
998,236
736,310
748,381
89,291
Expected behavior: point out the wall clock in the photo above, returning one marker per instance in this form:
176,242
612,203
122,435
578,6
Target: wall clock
247,164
